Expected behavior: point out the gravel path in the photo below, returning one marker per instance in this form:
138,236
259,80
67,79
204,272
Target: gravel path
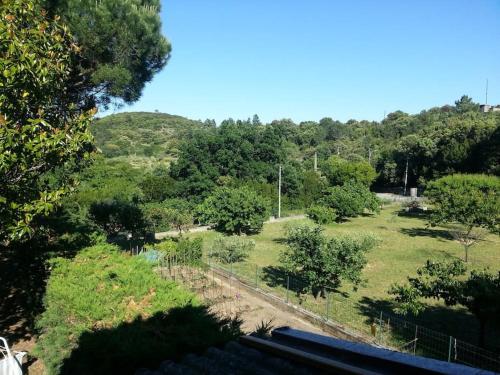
204,228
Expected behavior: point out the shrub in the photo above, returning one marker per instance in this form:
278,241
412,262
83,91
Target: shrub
231,249
322,214
107,312
164,216
235,210
167,247
190,249
340,171
351,200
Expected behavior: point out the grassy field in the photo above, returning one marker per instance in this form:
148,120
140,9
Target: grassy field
406,243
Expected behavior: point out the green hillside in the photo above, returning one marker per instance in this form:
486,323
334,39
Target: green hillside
141,135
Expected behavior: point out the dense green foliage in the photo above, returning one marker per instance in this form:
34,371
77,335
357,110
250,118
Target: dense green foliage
234,210
41,132
121,43
321,214
325,262
479,292
107,312
350,200
204,157
340,171
231,249
471,201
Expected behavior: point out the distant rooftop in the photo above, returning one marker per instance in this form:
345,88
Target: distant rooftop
489,108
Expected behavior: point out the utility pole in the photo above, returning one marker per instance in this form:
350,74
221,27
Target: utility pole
279,192
315,161
406,175
486,91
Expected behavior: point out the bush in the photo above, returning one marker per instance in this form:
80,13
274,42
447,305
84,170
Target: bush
231,249
322,214
157,217
340,171
190,250
351,200
107,312
235,210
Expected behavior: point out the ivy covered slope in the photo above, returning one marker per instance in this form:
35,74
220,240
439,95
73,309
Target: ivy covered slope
109,313
142,134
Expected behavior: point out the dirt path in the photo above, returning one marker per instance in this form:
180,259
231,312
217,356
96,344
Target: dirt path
227,298
253,311
204,228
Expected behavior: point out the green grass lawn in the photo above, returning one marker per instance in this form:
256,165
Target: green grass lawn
406,243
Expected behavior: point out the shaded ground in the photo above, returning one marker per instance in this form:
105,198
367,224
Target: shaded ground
23,274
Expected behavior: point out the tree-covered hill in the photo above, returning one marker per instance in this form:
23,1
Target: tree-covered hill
142,134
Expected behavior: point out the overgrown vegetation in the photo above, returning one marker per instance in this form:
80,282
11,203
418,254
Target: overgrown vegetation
106,312
231,249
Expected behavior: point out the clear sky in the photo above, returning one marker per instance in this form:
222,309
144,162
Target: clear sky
308,59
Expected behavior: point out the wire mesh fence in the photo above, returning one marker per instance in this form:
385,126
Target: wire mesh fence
384,327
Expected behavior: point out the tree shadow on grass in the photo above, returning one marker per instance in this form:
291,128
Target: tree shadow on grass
279,277
281,240
439,322
414,214
145,343
441,234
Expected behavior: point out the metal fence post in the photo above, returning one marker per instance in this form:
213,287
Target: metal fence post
416,338
287,287
327,305
380,326
449,349
256,276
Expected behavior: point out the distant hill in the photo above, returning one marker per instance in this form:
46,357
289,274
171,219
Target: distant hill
142,134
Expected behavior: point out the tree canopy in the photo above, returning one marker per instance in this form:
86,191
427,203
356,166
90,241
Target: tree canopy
121,47
471,201
478,291
325,262
235,210
41,131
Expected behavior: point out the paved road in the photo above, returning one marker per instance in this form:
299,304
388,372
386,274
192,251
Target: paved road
204,228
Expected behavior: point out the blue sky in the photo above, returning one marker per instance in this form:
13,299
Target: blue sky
306,60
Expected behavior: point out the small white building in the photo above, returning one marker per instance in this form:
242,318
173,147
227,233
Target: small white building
489,108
